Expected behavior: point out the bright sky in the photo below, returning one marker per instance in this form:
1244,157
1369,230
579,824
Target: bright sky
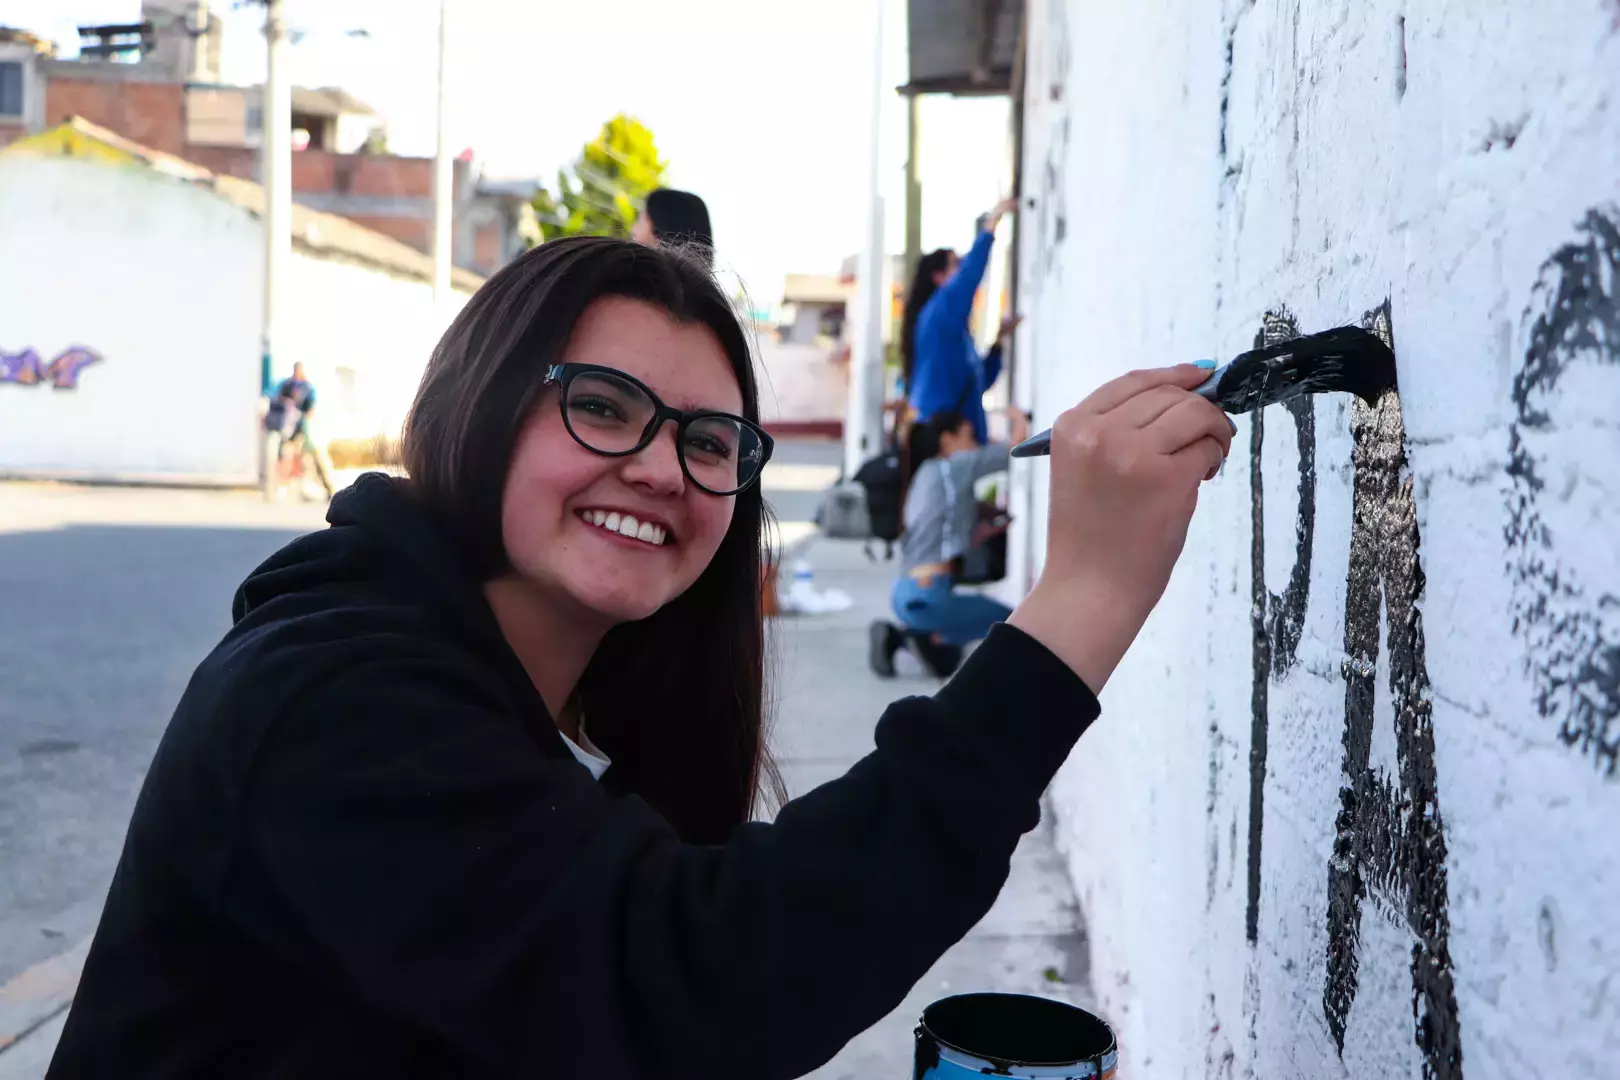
760,106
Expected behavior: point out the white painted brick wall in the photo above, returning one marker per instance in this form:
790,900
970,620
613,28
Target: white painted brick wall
1348,154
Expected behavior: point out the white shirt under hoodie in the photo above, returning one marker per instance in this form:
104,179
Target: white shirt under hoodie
589,754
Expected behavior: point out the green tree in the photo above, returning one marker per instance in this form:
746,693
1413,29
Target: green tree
605,188
376,142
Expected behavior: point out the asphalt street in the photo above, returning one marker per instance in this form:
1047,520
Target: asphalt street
109,597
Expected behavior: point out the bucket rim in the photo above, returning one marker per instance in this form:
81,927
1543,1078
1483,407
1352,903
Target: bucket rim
1101,1056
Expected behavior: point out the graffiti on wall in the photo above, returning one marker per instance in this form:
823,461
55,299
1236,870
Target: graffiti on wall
28,368
1563,610
1389,845
1276,621
1052,201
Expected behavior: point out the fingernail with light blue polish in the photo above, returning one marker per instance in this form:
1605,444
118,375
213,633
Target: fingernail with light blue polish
1207,365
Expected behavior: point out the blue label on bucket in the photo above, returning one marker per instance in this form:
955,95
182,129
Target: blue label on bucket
954,1065
1012,1035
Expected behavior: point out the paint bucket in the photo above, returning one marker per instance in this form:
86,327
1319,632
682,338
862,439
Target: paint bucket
977,1035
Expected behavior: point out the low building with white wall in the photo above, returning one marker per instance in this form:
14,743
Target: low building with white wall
1351,807
131,298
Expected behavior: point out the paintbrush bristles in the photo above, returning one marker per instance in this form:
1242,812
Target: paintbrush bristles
1347,359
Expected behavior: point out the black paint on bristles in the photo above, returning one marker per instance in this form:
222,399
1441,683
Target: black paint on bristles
1347,359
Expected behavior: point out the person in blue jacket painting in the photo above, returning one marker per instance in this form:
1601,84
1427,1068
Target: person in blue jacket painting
941,365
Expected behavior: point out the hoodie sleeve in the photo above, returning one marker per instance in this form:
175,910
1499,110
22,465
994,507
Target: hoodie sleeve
404,836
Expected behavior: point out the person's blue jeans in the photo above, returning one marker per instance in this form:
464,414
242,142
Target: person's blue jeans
953,618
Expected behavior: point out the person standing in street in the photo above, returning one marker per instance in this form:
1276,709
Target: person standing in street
288,422
472,786
940,364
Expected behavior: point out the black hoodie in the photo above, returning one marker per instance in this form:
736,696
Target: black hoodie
363,850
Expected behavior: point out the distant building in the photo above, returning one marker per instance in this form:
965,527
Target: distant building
157,82
814,307
134,294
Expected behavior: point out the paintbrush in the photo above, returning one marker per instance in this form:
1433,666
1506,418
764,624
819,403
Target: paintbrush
1347,358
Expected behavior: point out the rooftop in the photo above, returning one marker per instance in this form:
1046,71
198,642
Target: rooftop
312,230
816,289
963,47
11,35
328,101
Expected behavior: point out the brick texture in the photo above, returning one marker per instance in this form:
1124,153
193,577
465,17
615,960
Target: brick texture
152,114
417,232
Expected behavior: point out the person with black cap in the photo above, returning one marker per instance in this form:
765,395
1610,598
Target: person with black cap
675,219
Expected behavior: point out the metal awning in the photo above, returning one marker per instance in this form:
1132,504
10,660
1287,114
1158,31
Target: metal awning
962,47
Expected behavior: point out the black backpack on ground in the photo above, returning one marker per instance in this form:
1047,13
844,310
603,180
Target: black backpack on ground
882,479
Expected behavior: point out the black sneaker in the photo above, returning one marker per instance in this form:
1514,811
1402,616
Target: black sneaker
883,641
940,660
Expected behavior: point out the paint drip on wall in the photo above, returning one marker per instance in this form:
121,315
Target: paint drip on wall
1566,597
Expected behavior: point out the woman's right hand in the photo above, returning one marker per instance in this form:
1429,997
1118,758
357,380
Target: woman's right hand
997,212
1126,465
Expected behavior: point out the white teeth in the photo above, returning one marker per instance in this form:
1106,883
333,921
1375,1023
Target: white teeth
626,525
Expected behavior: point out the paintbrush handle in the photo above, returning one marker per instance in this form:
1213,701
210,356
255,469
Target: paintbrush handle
1035,446
1210,388
1041,445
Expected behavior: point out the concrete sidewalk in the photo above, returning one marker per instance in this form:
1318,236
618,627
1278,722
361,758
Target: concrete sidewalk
828,704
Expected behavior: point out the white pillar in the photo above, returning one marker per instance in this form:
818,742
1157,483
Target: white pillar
444,183
275,170
863,420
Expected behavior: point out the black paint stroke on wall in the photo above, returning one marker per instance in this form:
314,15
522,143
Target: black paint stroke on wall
1571,626
1276,622
1390,843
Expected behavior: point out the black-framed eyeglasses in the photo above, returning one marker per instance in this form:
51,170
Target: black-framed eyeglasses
616,415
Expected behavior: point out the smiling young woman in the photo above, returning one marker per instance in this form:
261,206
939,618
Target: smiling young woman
466,791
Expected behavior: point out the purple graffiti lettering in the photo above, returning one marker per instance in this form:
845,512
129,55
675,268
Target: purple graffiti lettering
64,370
22,367
27,369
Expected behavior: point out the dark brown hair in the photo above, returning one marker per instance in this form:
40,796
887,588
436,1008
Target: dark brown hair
923,288
676,699
922,441
681,219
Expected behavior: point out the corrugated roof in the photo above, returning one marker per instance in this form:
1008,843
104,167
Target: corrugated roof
962,46
312,230
328,101
42,45
816,289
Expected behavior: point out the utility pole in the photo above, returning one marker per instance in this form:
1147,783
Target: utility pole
863,421
275,170
913,192
444,184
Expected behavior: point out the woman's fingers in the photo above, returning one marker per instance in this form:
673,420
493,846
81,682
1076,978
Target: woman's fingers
1199,461
1187,421
1148,406
1110,395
